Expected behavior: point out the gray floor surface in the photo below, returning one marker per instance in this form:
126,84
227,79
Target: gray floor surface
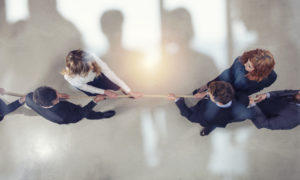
147,139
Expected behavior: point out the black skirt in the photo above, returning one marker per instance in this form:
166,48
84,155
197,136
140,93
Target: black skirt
101,82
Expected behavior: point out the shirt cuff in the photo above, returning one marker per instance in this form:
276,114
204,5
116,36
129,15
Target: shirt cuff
19,100
126,89
176,99
268,95
252,105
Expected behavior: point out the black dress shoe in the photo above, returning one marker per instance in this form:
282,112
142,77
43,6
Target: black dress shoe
205,131
108,114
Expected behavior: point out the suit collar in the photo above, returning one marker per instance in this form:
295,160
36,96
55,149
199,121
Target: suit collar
225,105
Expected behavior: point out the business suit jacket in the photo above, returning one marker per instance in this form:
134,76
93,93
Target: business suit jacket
208,114
5,109
235,75
280,111
62,113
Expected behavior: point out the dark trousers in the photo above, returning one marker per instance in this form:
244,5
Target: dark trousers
95,115
5,109
101,82
270,107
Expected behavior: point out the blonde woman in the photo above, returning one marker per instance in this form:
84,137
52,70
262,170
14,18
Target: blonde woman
91,75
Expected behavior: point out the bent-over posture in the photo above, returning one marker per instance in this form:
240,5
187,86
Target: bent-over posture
216,110
50,104
277,110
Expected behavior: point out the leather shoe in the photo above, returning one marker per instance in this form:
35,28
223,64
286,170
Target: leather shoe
108,114
205,131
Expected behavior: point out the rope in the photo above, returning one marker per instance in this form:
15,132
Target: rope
13,94
119,96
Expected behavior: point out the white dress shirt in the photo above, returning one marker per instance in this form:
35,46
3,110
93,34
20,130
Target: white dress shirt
227,105
80,82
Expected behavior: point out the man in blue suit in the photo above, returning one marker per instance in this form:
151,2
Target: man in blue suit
217,107
50,104
277,110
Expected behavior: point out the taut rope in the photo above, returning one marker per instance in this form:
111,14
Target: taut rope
119,96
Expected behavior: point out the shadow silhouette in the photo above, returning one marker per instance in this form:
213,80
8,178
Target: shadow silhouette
4,29
36,48
188,68
3,22
124,62
275,20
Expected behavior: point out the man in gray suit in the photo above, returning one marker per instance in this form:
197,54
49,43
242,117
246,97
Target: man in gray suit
277,110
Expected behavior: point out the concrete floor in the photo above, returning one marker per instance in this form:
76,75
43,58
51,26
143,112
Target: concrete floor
147,139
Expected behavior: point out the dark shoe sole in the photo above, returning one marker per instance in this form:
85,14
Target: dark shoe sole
108,114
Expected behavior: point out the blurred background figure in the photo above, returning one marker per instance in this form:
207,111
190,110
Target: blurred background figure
36,47
273,22
185,65
127,62
3,22
156,47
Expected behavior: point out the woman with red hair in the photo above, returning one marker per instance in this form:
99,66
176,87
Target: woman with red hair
250,73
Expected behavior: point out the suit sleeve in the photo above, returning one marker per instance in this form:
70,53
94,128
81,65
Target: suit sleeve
271,79
226,75
84,111
5,109
241,113
279,123
242,98
259,118
111,75
74,113
184,110
276,94
83,86
268,82
273,123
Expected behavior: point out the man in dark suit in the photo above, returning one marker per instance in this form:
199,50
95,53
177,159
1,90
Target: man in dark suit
277,110
49,103
5,109
216,110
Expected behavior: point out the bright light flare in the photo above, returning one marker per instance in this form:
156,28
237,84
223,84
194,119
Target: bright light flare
151,61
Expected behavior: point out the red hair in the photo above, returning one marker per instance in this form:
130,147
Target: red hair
263,62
